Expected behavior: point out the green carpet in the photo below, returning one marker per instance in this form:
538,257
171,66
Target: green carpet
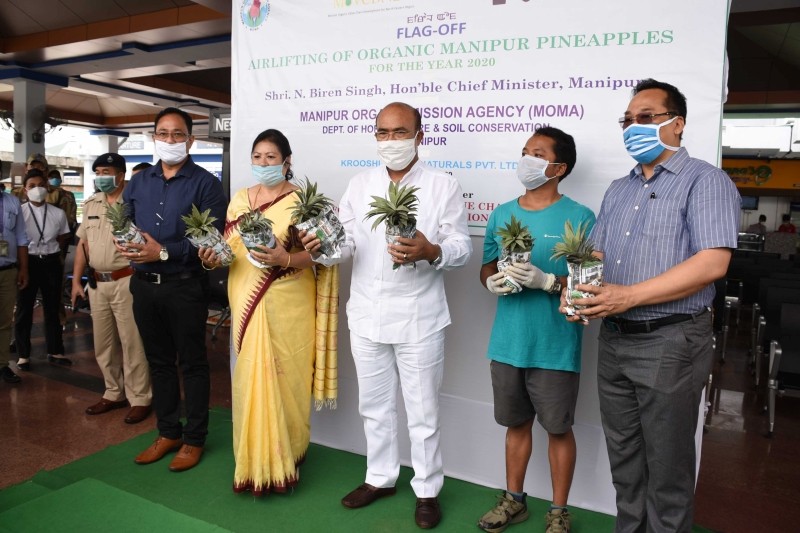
108,492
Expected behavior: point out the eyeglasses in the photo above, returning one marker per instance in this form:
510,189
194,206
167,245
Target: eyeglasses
398,134
177,136
643,118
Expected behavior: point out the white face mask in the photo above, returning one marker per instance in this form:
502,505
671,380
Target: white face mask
37,194
396,155
530,171
171,154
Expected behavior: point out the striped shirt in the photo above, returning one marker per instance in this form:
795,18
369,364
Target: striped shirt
645,227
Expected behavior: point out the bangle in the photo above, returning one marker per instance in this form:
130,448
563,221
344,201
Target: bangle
289,262
202,264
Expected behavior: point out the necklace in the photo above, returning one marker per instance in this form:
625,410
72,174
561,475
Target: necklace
258,192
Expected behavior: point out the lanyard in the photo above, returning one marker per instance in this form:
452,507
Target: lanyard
44,222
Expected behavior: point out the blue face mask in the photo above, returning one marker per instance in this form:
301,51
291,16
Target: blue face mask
54,182
643,141
105,183
269,175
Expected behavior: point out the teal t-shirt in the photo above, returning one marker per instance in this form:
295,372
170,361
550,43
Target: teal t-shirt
528,330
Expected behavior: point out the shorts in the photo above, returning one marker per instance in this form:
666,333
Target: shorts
520,394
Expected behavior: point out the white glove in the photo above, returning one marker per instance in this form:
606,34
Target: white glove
496,286
530,276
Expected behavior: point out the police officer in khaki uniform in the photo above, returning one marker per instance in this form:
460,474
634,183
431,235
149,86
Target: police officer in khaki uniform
118,346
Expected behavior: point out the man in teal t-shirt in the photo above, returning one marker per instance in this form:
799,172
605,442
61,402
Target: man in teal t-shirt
534,352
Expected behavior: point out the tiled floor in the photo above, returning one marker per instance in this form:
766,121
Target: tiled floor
747,482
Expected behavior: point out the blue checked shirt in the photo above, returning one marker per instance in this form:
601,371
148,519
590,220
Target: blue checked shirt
645,227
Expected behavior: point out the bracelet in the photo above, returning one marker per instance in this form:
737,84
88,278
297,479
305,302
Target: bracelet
202,264
289,262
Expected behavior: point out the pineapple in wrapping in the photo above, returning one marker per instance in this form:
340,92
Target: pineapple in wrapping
516,245
398,210
202,234
256,230
124,230
314,214
584,267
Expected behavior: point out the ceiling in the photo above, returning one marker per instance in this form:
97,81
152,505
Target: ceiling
114,63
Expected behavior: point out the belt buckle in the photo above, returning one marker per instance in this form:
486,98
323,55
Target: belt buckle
157,278
104,276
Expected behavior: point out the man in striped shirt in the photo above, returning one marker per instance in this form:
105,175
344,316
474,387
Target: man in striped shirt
665,232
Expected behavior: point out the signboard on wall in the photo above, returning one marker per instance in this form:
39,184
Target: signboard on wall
767,175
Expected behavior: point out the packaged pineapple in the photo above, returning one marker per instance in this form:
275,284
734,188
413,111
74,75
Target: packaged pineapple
256,230
202,234
516,245
584,267
124,230
314,214
398,210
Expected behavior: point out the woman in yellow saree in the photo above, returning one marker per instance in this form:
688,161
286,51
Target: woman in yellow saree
275,327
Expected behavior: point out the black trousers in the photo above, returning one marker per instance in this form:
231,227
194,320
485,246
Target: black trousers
171,318
45,274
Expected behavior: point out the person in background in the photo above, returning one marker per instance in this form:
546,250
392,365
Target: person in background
170,287
62,198
786,225
47,229
139,167
273,297
13,274
397,317
759,228
117,345
666,231
535,370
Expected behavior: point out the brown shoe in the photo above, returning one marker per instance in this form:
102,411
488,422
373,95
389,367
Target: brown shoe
104,406
188,457
428,513
161,447
137,414
366,494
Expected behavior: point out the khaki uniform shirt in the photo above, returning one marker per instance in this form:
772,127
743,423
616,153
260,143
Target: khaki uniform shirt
96,232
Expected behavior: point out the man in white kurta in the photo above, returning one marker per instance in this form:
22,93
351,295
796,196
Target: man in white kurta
397,316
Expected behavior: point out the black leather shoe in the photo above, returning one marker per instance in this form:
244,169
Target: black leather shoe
9,376
366,494
61,361
428,513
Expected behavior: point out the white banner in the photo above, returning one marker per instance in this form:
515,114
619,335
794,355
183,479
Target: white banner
484,74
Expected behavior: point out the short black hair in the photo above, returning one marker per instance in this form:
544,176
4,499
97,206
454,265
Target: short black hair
563,146
141,166
54,174
762,218
786,217
33,173
174,111
676,101
278,139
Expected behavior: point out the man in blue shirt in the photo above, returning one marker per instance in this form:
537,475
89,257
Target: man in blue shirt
13,273
665,232
170,288
535,354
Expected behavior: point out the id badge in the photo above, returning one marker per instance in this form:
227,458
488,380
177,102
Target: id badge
3,248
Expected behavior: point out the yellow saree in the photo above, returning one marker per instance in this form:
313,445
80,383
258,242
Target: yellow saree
273,330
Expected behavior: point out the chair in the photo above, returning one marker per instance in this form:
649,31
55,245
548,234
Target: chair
784,368
218,298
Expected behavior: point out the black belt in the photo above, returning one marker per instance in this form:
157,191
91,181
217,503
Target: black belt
8,266
622,325
45,257
155,277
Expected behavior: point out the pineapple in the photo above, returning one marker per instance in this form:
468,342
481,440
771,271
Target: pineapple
314,214
516,244
256,230
123,229
584,267
398,210
201,233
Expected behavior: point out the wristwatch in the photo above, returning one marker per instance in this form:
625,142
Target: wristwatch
163,254
435,263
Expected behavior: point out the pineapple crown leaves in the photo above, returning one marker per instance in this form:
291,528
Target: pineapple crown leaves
310,203
575,246
254,222
398,208
514,237
118,214
198,224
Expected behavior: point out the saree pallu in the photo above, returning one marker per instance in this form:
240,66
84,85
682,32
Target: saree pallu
273,332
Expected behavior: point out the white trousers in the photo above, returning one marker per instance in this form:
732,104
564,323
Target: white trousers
419,367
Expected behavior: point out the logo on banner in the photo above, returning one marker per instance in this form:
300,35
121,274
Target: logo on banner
254,13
